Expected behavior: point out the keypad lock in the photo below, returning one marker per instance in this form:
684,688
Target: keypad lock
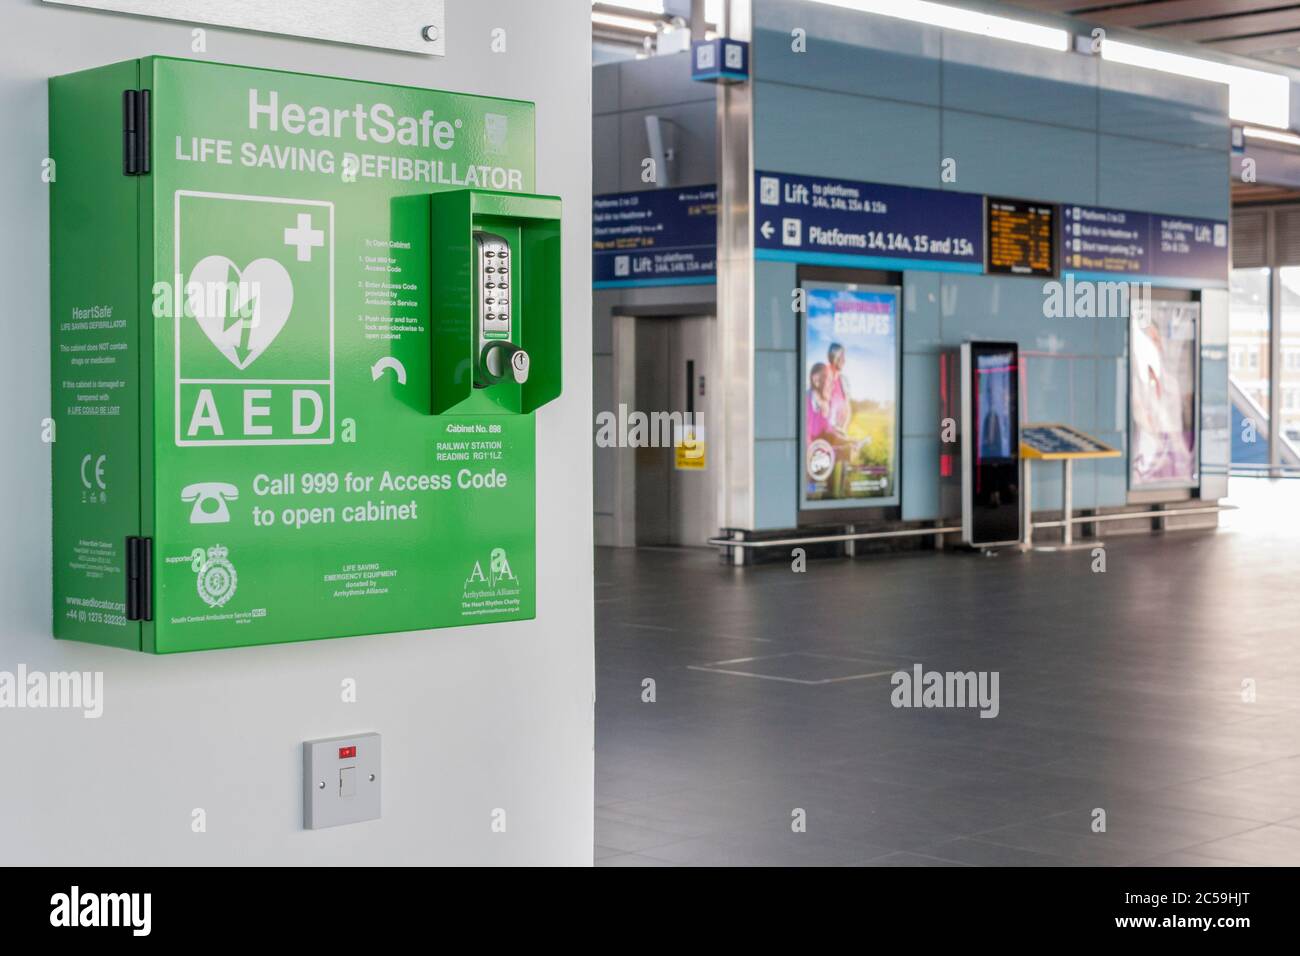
499,358
495,314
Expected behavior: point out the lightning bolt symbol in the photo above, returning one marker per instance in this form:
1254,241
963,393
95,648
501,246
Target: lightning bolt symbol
237,316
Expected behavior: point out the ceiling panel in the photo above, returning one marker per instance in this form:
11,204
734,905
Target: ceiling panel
1246,194
1256,25
1266,28
1158,12
1056,6
1278,47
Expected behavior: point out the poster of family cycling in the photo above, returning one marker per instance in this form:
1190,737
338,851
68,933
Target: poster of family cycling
849,411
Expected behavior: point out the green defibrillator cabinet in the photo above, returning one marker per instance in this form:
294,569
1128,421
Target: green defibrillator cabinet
299,329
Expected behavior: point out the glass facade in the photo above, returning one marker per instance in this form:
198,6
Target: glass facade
1288,371
1249,353
1264,346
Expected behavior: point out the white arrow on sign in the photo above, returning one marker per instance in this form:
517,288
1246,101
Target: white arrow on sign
766,229
385,363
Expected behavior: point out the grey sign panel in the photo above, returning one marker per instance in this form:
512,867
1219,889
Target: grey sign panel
412,26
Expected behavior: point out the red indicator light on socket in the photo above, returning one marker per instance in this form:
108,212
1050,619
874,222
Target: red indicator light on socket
346,752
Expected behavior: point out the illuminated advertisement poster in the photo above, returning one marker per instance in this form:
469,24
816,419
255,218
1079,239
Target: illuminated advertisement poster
1162,394
849,409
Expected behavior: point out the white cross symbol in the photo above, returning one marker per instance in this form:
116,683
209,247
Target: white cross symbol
304,237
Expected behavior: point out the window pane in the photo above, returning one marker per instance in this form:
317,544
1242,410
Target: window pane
1288,377
1248,352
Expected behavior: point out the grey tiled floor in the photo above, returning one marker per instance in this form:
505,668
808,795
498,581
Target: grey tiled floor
1119,691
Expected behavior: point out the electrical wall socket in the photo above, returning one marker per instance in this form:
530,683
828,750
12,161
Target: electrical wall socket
340,781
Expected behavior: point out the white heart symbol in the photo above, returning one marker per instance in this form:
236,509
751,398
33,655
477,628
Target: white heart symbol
240,311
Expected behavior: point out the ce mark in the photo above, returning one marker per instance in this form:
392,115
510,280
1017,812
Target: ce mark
98,470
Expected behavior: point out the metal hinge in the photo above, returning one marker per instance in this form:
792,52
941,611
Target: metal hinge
139,579
135,132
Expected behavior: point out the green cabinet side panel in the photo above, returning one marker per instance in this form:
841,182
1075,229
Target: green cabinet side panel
95,336
298,485
531,227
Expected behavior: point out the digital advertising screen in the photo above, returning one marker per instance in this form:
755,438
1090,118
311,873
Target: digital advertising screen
1021,237
994,405
1163,361
849,406
991,443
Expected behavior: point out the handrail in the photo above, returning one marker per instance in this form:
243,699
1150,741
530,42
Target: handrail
820,539
916,532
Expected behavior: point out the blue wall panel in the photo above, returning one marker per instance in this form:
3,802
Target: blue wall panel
979,89
1112,394
1112,473
1149,104
1083,394
1008,308
921,311
1004,157
775,323
865,71
1159,177
1047,486
1047,389
1112,336
921,478
881,100
776,391
921,394
851,137
1142,117
1214,380
1085,484
692,131
776,465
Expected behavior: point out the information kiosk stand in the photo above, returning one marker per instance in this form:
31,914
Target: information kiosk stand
1053,441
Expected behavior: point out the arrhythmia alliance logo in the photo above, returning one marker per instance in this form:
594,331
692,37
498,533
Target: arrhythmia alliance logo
498,570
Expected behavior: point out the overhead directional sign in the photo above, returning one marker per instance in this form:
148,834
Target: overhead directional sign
669,236
720,60
655,237
823,221
1142,245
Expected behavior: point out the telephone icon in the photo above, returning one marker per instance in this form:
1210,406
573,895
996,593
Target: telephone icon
209,499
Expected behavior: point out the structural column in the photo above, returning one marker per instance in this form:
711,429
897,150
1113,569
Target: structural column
733,428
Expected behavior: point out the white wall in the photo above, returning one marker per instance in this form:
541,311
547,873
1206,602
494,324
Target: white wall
472,718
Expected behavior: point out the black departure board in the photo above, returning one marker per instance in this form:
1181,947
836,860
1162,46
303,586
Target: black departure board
1021,237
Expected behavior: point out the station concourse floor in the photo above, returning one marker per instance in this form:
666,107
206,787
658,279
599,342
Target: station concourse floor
1120,691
